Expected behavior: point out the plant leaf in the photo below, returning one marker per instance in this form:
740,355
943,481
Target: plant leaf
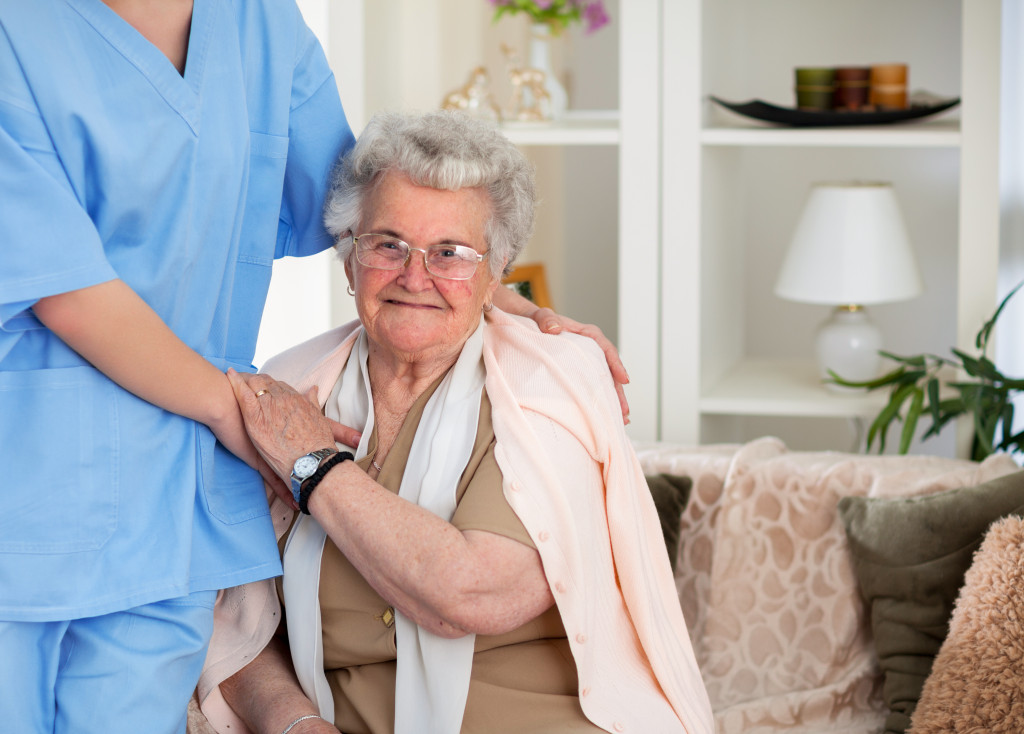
950,409
910,422
910,377
880,426
1006,419
970,363
883,381
985,333
918,360
981,436
934,402
1013,442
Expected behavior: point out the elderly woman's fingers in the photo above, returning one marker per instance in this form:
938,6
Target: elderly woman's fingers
248,402
344,434
282,424
553,323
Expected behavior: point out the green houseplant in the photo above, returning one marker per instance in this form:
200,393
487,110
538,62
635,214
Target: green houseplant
916,391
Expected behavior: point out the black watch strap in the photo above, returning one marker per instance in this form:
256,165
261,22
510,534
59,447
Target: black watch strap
314,479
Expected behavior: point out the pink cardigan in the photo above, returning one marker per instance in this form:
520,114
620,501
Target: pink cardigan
606,564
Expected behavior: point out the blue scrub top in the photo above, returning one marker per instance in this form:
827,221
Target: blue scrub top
113,165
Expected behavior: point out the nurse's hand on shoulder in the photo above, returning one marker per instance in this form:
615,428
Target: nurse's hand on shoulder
554,323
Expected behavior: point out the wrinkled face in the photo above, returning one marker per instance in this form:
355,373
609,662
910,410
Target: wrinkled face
409,311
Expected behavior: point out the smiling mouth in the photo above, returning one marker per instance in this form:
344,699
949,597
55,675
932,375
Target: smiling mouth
411,304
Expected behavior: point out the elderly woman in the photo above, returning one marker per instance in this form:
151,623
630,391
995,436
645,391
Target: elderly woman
487,559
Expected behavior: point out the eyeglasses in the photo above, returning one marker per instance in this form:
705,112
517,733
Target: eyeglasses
385,252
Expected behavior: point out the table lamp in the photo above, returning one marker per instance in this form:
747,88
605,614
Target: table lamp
850,250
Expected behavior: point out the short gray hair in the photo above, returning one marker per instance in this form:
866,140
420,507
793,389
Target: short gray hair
446,149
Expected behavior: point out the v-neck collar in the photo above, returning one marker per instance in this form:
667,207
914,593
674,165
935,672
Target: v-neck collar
181,92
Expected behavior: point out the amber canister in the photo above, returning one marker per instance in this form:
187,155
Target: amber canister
851,87
814,88
889,86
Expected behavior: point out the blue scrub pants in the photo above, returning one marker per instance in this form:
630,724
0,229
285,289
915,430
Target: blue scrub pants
130,671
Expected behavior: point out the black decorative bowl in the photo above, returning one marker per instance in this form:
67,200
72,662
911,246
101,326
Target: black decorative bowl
760,110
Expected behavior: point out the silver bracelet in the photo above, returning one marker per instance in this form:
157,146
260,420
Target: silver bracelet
301,718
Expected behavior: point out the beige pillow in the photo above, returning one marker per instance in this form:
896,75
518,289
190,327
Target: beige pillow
977,680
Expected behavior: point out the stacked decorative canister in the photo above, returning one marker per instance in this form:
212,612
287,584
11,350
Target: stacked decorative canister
852,88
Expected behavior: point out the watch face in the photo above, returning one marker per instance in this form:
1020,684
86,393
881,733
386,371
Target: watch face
305,466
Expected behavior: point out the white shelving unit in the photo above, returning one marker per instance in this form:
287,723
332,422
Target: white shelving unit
578,127
939,134
705,200
732,189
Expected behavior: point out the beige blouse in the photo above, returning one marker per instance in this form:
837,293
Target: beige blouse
522,682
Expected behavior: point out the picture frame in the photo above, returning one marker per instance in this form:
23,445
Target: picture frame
530,281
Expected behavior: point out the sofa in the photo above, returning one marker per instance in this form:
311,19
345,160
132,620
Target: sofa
825,592
821,588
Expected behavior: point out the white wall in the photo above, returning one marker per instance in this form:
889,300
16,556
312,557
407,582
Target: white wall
1009,352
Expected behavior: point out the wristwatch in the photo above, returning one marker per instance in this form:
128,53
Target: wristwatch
314,481
305,466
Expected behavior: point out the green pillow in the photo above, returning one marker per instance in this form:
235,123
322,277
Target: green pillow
910,557
670,495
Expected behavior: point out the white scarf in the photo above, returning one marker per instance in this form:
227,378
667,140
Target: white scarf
432,681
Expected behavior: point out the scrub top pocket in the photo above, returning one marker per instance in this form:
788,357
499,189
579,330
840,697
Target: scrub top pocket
234,491
61,439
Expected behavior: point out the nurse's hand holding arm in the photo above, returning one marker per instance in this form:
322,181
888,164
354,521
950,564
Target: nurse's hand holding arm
119,334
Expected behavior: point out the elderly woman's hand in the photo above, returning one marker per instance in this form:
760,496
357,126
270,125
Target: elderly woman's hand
282,424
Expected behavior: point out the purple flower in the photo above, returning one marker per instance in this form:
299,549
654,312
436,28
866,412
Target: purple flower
594,16
558,14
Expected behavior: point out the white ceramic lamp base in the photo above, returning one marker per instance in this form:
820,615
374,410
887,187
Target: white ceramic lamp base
848,344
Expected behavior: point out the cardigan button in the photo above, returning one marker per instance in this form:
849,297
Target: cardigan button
585,691
560,587
581,638
543,536
617,726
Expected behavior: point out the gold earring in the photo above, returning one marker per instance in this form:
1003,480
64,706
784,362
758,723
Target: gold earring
350,291
488,307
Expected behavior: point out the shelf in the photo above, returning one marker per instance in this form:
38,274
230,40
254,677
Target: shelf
784,388
934,134
578,127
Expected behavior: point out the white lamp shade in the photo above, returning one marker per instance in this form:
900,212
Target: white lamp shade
850,247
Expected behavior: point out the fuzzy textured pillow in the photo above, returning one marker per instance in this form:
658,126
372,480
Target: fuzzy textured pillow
670,494
910,557
977,682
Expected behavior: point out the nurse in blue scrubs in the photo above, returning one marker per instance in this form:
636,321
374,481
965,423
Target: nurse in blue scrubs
156,156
